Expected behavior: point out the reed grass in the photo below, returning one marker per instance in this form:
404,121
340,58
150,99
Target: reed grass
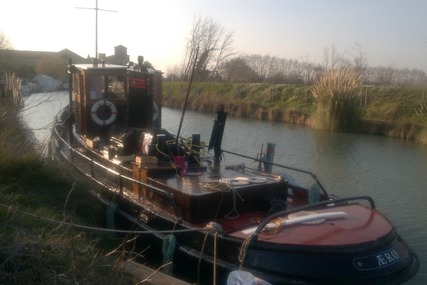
337,93
10,98
15,143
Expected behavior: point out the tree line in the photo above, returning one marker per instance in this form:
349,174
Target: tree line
210,56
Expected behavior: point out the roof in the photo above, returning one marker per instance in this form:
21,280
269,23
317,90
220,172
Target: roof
100,66
26,57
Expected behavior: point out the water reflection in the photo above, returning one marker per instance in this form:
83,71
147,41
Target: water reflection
39,111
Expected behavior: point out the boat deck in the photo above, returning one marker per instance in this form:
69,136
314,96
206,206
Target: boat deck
204,194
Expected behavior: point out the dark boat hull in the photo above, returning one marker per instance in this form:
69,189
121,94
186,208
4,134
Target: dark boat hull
388,261
278,258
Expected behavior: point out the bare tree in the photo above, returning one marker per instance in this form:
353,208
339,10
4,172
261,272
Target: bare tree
260,64
360,61
225,51
383,75
390,76
272,69
236,70
332,59
172,73
208,46
4,42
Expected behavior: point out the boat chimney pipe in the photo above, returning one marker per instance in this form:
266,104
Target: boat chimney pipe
140,62
217,132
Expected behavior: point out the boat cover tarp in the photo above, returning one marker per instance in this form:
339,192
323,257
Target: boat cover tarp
47,83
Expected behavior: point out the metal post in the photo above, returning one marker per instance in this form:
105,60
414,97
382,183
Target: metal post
70,99
269,157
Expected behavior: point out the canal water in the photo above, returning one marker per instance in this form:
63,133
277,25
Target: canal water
392,171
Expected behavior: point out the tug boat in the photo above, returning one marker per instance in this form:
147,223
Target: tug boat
249,214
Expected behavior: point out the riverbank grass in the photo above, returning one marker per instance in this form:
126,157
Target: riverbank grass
393,111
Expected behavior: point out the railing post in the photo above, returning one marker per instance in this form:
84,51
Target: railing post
92,172
120,181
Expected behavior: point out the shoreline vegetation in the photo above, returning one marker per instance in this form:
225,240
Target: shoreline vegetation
40,205
397,112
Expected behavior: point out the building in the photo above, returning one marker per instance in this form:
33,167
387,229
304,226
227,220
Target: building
119,57
30,58
24,62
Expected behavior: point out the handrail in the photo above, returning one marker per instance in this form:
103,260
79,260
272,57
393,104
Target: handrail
327,203
168,196
283,166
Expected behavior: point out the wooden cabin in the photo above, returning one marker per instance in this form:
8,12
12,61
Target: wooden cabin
111,99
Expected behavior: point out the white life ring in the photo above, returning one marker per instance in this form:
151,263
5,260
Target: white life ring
94,112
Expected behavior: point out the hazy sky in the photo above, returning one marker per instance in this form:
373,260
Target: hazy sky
391,33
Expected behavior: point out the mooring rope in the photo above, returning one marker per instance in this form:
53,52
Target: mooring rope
98,228
235,194
200,257
215,228
243,251
214,269
169,243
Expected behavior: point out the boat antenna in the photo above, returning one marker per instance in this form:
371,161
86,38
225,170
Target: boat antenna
96,23
186,97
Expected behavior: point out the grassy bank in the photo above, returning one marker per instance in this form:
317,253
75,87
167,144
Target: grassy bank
39,208
384,110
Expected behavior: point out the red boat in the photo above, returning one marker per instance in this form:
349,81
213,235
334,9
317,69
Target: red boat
248,214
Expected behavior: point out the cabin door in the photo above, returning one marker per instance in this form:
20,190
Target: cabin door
140,101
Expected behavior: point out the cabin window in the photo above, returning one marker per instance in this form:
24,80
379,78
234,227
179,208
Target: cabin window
116,87
107,87
96,87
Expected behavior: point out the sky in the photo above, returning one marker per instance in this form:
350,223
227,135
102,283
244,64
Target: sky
390,33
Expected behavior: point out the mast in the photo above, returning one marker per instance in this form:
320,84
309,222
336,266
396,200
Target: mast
186,97
96,23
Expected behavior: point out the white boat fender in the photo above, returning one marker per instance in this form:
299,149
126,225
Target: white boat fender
240,181
94,112
310,217
237,181
257,180
239,277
